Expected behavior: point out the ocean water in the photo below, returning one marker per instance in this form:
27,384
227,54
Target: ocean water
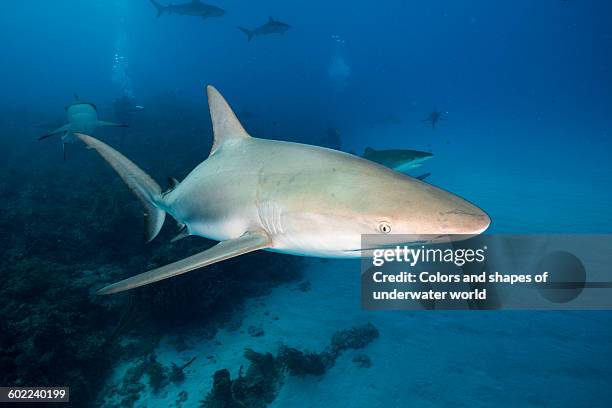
525,91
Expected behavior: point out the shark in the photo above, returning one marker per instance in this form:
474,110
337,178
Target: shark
271,27
434,117
193,8
398,160
259,194
82,117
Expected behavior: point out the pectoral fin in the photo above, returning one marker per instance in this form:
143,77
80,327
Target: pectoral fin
104,123
249,242
57,131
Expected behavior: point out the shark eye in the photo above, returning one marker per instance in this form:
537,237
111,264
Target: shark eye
384,227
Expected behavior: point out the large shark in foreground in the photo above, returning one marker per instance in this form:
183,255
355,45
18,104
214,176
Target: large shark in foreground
271,27
400,160
82,118
286,197
191,8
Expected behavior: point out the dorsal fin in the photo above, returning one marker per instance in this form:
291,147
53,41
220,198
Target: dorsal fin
368,150
225,124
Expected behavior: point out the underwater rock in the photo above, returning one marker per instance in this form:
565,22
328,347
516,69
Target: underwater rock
177,373
301,363
304,286
221,394
156,372
255,389
256,331
182,397
354,338
266,373
131,387
362,360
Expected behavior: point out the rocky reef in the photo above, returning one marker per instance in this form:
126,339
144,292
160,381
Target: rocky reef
259,385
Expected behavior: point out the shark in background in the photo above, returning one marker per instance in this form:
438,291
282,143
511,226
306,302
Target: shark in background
401,160
192,8
253,194
434,117
83,118
271,27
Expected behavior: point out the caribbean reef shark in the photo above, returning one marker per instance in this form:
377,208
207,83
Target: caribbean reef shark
193,8
83,118
398,160
293,198
271,27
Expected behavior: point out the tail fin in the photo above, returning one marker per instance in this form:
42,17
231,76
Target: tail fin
143,186
159,7
248,32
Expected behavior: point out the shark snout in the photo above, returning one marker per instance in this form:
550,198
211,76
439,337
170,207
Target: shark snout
467,220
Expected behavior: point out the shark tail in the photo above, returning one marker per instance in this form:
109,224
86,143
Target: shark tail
142,185
159,7
248,32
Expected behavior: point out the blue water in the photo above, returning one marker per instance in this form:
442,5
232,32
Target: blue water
526,88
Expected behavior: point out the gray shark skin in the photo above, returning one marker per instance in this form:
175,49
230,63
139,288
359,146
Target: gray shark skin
82,117
293,198
434,117
192,8
271,27
398,160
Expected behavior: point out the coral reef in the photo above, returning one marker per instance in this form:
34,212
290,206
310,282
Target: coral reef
260,384
302,363
353,338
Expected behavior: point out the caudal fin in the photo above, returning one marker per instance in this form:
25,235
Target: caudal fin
143,186
159,7
248,32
